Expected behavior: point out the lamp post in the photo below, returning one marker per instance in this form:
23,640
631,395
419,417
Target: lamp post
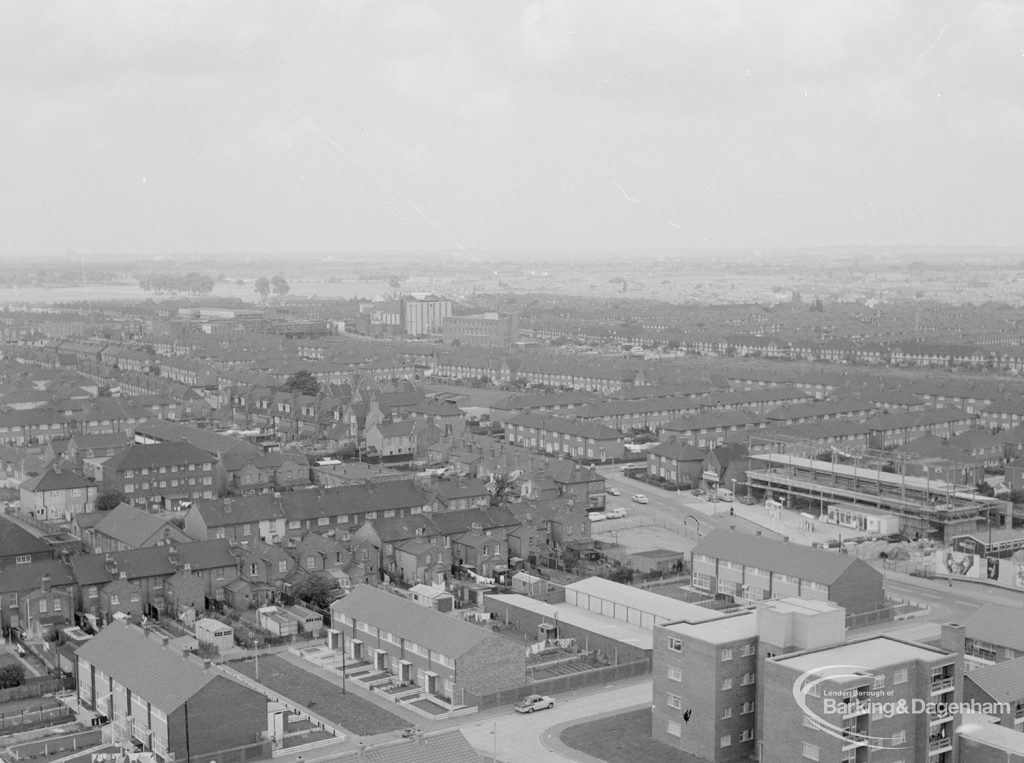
733,488
256,652
494,733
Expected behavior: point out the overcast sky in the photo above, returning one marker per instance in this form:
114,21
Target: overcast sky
146,126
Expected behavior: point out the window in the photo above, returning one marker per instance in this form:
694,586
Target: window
899,676
158,584
323,521
811,752
115,600
725,741
246,529
749,650
94,592
294,524
42,606
282,566
675,674
672,728
747,735
57,605
726,655
879,682
134,597
252,569
23,559
727,684
748,678
727,713
675,702
748,707
675,644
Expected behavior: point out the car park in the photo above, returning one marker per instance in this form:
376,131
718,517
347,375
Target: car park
534,702
639,498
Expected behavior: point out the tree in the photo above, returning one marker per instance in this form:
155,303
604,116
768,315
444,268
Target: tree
303,382
11,675
110,499
279,285
318,590
500,487
263,287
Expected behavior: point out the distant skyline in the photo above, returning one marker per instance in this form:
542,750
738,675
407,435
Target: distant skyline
152,126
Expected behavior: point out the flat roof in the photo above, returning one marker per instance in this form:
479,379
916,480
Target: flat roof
733,627
861,509
663,608
991,735
877,652
795,604
617,630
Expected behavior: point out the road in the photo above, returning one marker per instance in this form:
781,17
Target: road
670,504
525,738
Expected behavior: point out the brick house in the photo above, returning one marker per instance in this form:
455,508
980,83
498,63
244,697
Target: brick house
751,568
167,702
443,654
161,475
566,437
676,461
125,527
57,494
19,546
18,581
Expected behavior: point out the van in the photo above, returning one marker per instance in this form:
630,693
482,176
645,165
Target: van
617,513
724,495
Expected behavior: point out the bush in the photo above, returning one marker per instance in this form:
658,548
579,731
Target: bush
12,675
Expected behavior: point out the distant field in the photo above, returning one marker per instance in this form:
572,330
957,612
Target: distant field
641,538
474,397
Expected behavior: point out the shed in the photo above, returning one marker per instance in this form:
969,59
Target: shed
210,632
273,620
308,620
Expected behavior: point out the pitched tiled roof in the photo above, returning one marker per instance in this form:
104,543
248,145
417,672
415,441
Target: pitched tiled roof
56,479
803,562
566,426
159,454
134,526
16,540
445,634
139,662
997,624
677,451
154,561
26,577
1004,681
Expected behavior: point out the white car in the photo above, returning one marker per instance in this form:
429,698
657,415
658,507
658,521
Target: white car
639,498
612,491
617,513
596,516
534,702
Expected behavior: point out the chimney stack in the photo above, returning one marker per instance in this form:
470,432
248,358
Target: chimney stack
46,583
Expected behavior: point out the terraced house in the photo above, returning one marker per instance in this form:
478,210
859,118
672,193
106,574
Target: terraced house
444,654
166,702
564,437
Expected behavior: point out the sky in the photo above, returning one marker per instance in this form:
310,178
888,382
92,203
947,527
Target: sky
183,126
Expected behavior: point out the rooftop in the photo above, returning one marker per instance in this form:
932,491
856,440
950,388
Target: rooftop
871,653
725,629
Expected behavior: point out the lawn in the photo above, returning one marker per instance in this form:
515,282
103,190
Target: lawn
624,738
322,697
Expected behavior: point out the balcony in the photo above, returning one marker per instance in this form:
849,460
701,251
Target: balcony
942,685
938,745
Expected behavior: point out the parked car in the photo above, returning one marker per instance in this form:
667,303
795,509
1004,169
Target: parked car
534,702
639,498
613,491
616,513
697,492
595,516
724,495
